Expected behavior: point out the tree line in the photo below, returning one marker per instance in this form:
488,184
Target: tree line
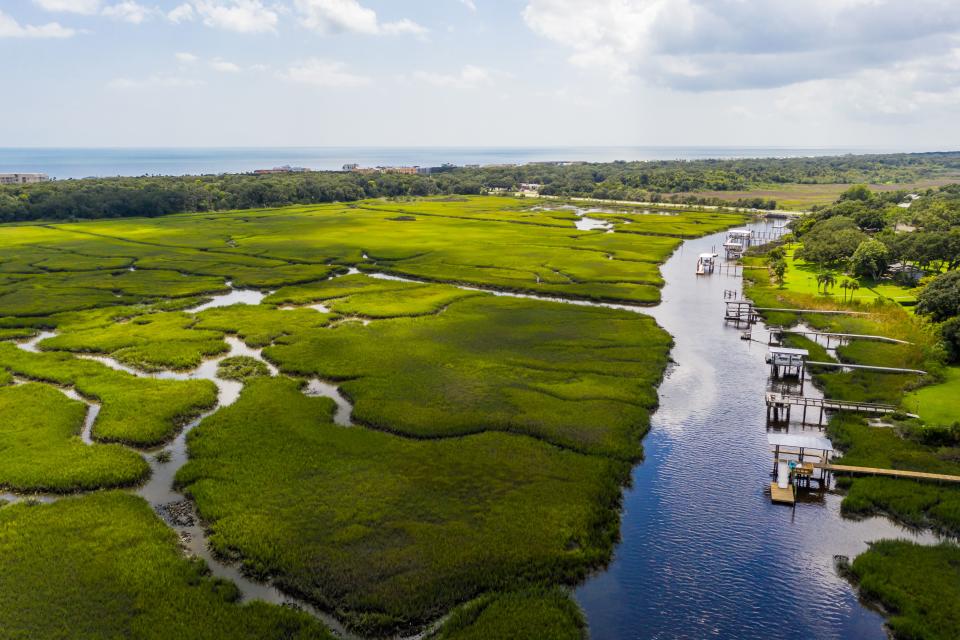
660,181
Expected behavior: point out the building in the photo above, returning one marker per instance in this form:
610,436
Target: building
403,170
23,178
284,169
353,166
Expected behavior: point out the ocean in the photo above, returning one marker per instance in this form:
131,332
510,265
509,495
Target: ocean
65,163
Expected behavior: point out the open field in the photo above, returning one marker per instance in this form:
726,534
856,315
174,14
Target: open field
804,196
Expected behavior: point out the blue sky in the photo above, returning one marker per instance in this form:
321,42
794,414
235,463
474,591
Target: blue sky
830,73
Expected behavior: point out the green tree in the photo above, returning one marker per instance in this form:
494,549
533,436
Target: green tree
950,333
941,298
831,242
870,259
779,268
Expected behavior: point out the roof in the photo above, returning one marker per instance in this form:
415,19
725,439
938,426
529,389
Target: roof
791,352
798,440
708,255
739,232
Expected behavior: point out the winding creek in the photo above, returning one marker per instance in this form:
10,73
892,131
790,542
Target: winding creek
703,553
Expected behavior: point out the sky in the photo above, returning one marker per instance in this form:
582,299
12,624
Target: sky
791,73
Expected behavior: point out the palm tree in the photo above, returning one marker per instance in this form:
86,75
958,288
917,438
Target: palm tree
854,285
828,282
845,285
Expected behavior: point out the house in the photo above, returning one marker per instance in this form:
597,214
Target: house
23,178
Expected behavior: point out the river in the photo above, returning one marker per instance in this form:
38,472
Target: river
704,553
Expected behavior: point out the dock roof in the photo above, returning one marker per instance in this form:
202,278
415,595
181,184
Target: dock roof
789,352
800,441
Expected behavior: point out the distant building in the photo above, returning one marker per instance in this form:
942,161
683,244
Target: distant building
23,178
284,169
403,170
351,167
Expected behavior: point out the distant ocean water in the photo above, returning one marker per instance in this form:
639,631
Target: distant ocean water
81,163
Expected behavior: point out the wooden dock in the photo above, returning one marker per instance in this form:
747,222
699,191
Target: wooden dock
892,473
783,496
779,404
843,336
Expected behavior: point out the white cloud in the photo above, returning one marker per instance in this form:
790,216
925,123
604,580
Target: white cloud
185,58
242,16
129,11
470,77
181,13
469,4
704,45
323,73
10,28
223,66
87,7
338,16
905,91
158,81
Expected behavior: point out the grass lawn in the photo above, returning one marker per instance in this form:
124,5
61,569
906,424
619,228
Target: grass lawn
42,451
801,277
104,566
938,404
387,531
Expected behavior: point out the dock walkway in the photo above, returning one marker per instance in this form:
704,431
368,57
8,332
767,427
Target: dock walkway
777,402
893,473
864,367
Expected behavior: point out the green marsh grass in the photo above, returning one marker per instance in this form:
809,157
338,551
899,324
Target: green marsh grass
579,377
137,411
42,451
919,585
241,368
387,531
104,566
520,615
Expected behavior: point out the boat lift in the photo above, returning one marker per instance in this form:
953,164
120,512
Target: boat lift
738,241
706,263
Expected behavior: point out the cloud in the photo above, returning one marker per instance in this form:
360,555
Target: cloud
181,13
10,28
907,91
469,4
241,16
186,58
157,81
705,45
470,77
87,7
340,16
323,73
129,11
223,66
